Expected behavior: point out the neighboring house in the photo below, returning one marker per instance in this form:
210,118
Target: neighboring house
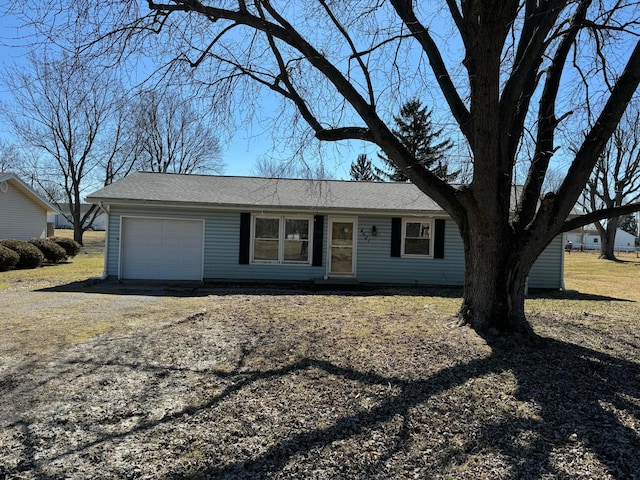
62,219
194,227
588,238
23,213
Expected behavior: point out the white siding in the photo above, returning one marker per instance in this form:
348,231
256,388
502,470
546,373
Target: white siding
20,217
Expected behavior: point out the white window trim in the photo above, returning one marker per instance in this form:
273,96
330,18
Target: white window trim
431,223
281,240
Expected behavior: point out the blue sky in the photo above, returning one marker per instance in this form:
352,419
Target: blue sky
246,145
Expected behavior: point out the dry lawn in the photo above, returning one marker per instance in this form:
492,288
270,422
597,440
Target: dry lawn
278,383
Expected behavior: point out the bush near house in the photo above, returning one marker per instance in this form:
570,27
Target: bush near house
69,244
52,252
30,255
8,258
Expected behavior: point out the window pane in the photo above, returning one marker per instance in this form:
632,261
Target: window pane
265,249
296,229
267,228
296,251
341,260
412,229
417,230
416,246
342,233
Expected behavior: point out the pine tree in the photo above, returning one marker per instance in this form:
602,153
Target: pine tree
629,224
416,132
362,170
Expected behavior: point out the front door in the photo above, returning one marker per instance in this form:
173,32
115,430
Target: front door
342,243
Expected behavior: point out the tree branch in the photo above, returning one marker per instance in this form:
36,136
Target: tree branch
404,9
547,121
596,139
591,217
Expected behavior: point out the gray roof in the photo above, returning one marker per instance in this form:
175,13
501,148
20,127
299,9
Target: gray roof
268,193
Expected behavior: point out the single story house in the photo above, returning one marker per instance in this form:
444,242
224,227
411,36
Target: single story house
588,238
61,220
23,213
198,227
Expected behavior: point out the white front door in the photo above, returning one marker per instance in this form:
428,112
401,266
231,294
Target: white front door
342,247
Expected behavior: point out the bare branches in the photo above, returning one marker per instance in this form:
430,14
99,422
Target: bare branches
405,11
355,54
599,134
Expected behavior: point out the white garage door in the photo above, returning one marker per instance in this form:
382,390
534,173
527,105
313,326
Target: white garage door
161,249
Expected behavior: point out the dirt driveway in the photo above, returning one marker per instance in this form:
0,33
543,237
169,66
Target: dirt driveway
41,321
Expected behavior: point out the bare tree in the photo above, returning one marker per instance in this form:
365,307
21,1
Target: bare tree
63,111
271,168
173,136
523,69
615,180
9,157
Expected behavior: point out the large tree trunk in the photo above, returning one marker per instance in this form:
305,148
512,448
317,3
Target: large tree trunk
496,271
608,238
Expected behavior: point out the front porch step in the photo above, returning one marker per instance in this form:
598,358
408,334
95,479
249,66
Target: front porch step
337,283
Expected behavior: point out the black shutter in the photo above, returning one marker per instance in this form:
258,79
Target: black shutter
245,238
396,236
318,230
438,238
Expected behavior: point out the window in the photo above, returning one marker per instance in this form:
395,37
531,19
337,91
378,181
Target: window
266,242
281,239
417,237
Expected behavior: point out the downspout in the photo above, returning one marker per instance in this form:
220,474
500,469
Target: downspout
106,242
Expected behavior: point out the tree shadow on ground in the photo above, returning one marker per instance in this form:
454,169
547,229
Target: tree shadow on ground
199,289
585,401
573,295
582,397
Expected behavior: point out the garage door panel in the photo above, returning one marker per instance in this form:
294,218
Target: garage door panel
162,249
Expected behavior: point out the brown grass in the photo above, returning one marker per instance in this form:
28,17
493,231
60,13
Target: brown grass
274,383
88,263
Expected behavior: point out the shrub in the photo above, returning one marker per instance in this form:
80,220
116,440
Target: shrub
30,255
8,258
70,245
52,252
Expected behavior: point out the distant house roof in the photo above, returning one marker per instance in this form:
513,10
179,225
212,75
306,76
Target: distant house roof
251,192
27,190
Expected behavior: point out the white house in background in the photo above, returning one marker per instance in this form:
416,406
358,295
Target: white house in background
588,238
61,220
23,213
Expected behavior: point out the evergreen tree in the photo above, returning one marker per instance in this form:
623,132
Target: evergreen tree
629,224
415,131
362,170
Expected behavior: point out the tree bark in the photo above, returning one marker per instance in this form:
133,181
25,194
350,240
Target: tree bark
496,272
608,239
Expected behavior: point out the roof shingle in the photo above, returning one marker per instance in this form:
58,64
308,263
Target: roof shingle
222,191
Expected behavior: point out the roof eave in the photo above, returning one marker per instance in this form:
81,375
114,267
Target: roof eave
264,208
